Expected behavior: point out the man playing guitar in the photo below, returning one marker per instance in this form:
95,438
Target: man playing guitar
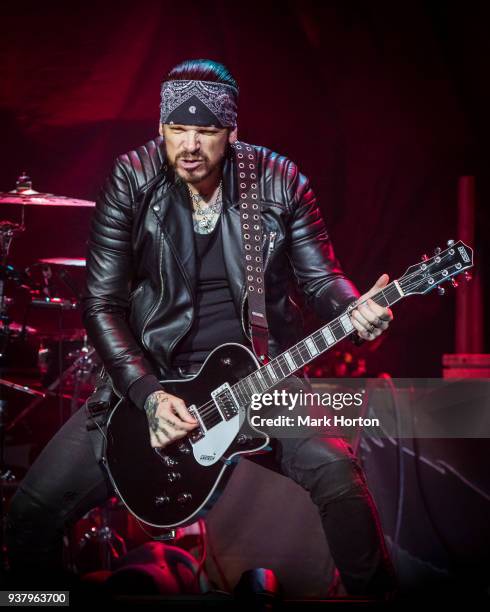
165,286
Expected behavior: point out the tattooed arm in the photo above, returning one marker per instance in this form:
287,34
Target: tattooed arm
168,418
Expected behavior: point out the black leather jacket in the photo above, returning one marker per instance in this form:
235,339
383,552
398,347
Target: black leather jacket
141,264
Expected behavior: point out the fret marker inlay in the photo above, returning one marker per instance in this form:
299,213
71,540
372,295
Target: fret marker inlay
346,323
311,346
290,361
328,335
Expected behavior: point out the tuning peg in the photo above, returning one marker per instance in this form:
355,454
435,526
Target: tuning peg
454,282
437,250
468,275
424,257
441,290
450,243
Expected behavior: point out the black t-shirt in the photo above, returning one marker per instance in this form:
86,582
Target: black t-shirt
215,320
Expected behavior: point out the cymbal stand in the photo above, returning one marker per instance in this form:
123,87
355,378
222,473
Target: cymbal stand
8,230
81,363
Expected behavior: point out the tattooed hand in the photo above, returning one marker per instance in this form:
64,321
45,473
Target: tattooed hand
168,418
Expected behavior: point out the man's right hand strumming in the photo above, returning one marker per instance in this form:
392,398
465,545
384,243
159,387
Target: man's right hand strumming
168,418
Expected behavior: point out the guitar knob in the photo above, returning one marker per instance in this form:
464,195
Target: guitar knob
183,448
161,500
437,250
441,290
450,243
173,476
184,498
454,282
243,439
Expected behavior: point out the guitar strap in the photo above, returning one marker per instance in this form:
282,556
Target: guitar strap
251,226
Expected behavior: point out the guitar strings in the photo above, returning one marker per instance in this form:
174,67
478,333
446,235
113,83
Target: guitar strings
209,407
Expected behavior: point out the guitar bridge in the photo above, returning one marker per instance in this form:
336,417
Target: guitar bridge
196,434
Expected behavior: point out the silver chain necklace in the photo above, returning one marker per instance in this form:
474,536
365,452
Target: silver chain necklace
208,215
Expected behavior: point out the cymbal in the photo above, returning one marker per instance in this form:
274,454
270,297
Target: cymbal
17,328
53,302
72,333
32,197
75,262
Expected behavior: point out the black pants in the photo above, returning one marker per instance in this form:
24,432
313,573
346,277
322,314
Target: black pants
67,480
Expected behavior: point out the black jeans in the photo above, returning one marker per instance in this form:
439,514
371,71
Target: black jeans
67,480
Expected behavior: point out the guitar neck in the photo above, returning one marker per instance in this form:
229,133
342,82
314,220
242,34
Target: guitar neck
297,356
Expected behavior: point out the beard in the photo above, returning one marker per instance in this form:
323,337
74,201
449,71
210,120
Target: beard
196,175
202,172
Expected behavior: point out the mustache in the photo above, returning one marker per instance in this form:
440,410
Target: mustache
190,157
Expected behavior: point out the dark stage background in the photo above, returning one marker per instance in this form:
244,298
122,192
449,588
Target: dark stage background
382,105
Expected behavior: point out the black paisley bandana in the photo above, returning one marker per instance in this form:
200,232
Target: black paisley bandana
203,103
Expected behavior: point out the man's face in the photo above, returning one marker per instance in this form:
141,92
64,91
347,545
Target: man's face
195,152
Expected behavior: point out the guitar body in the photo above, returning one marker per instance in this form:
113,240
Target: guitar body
178,484
175,485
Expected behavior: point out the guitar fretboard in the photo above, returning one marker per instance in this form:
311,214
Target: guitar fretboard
288,362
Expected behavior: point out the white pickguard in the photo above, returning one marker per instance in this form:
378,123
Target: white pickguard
216,441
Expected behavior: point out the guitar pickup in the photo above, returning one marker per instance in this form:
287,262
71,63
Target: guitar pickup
225,401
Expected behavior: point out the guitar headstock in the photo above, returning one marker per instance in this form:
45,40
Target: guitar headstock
432,272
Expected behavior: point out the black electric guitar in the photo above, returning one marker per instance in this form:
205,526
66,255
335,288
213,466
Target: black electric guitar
175,485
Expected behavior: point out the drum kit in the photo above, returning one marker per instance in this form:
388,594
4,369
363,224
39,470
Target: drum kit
49,359
47,365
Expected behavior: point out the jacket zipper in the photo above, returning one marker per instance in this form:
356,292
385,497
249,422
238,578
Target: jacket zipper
179,338
153,310
272,239
157,304
133,293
